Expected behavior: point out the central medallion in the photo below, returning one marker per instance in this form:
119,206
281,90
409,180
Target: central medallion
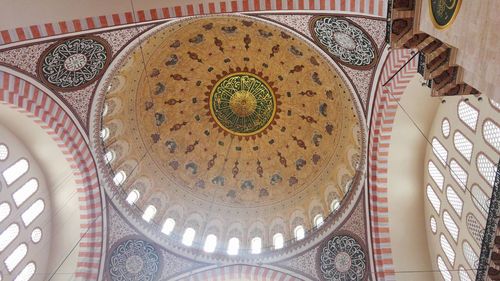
242,103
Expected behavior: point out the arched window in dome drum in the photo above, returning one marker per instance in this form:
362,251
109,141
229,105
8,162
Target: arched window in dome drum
439,150
8,235
434,199
149,213
25,191
4,211
119,177
445,128
447,249
16,257
486,168
318,220
233,247
495,104
168,226
278,241
15,171
443,269
133,196
468,115
104,134
27,272
436,175
334,206
450,225
463,145
458,174
480,200
299,232
433,225
454,200
491,134
33,212
469,254
188,237
109,156
256,245
4,152
464,276
210,243
475,229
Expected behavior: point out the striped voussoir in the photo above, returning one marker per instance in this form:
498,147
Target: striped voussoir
241,272
43,110
384,111
368,7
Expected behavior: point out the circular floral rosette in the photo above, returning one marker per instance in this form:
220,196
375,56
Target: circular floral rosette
74,63
344,41
134,260
342,259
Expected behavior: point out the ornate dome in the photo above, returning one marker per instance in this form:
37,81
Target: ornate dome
233,125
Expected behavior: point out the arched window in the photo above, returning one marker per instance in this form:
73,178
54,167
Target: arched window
434,199
334,206
210,243
299,232
458,174
475,229
4,152
133,196
109,156
4,211
188,236
443,269
463,145
447,249
104,134
439,150
233,247
119,177
433,225
491,134
16,257
486,168
12,173
278,241
256,245
470,255
481,200
454,200
468,114
168,226
464,276
33,212
105,110
445,128
25,191
8,235
27,272
436,175
149,213
318,220
450,225
495,104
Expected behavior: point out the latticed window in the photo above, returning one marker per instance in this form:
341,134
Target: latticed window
447,249
486,168
436,175
210,243
464,276
256,245
434,199
468,115
233,247
463,145
188,236
168,226
433,225
450,225
491,134
149,213
458,174
481,200
454,200
278,241
495,104
443,269
469,254
445,128
133,196
439,150
475,229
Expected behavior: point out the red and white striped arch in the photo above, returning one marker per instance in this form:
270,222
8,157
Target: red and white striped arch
383,114
368,7
43,110
240,273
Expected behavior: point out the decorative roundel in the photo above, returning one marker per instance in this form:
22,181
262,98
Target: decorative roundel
444,12
344,41
74,63
242,103
134,260
342,259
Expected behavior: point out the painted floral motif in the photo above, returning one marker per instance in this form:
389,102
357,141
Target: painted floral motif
342,259
74,62
134,260
344,41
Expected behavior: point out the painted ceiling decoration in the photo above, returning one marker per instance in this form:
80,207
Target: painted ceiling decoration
345,41
134,260
342,259
74,63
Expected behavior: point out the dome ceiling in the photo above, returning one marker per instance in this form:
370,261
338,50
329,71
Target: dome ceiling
231,115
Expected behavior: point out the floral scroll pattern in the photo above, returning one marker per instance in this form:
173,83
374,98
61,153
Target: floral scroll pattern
134,260
342,259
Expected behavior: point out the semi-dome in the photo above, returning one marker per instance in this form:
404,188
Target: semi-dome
231,126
